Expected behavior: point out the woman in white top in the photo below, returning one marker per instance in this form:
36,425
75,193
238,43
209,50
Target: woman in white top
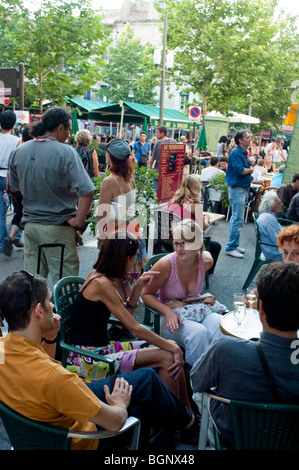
116,206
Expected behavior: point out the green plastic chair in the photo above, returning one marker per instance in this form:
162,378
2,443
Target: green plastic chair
152,316
64,294
27,434
260,426
259,258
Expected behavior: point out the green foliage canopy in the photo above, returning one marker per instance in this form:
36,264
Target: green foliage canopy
234,53
61,45
130,66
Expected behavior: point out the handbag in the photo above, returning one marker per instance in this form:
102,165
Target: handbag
143,158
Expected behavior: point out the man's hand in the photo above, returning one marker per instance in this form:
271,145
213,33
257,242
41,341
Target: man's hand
121,394
52,334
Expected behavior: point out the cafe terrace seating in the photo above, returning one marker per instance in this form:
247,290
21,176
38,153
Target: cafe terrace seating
28,434
256,426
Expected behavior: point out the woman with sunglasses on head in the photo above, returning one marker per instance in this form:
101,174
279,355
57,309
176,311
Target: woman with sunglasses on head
180,282
106,291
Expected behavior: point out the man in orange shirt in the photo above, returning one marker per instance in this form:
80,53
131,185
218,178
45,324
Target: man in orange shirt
37,386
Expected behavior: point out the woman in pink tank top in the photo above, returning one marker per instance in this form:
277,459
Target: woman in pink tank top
181,281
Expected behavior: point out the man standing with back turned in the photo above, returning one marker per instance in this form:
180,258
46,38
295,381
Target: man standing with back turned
238,178
57,193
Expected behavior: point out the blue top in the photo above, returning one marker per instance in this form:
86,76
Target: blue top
237,162
144,149
233,366
276,180
269,230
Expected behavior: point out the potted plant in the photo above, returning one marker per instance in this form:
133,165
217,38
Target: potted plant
218,189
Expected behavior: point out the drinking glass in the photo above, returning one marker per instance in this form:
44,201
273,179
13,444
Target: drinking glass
251,297
239,310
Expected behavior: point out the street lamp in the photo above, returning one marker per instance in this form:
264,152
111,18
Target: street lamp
163,70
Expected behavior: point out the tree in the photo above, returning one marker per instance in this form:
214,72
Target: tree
130,66
235,53
61,45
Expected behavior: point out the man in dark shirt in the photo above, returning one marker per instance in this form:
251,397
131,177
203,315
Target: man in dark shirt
293,211
287,192
232,365
161,133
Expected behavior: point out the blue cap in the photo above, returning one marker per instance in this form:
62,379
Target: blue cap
119,148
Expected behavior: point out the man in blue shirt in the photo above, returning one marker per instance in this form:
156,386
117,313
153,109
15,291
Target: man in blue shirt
238,178
232,365
276,180
141,147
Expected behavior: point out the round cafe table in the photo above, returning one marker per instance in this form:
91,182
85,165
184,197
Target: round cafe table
251,325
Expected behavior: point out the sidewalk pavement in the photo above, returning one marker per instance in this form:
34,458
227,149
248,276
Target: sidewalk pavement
228,278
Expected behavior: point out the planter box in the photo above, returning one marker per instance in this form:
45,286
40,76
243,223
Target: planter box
215,195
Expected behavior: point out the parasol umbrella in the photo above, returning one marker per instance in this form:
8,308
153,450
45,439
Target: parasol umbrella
202,142
75,126
291,116
144,127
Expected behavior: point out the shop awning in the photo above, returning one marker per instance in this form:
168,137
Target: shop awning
134,113
233,117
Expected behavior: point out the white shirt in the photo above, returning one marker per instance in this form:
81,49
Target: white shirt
8,143
209,172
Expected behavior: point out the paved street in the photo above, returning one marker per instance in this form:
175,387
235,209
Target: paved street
227,279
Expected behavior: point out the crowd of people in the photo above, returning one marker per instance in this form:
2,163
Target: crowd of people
55,182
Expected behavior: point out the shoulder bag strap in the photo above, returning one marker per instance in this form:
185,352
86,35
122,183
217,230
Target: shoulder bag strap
268,374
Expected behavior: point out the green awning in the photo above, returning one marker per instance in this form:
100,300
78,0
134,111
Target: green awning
134,113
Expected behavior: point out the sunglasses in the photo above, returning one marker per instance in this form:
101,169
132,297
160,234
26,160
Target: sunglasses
181,244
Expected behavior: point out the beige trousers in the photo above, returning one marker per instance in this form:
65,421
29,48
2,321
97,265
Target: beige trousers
35,234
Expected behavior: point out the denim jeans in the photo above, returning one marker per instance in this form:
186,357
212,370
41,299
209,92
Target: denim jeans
237,198
3,210
194,337
152,402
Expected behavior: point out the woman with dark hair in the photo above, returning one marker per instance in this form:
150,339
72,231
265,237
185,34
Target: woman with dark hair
116,206
220,147
107,291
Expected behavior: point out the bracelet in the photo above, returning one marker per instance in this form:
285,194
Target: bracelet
50,341
129,305
119,403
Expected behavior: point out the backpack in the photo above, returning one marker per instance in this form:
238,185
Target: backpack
85,153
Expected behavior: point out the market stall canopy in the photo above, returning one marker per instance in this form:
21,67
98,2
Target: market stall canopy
234,117
133,113
291,116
